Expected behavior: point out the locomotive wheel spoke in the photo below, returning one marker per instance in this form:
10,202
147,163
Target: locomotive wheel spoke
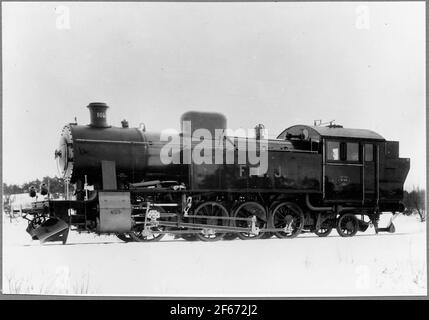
267,235
347,225
211,208
248,210
325,228
139,235
323,231
288,215
124,237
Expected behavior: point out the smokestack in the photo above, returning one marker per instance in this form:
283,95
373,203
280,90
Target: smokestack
97,111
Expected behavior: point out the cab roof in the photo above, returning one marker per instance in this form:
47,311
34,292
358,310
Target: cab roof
317,133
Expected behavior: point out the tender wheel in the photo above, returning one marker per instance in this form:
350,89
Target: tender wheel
213,209
248,210
140,236
347,225
288,215
124,237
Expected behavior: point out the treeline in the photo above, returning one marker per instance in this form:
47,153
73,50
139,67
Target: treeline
56,186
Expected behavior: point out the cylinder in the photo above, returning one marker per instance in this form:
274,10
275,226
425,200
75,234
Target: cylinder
97,112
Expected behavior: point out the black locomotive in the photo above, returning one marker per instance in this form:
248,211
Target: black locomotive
316,178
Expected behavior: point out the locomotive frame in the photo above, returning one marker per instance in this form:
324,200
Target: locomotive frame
318,178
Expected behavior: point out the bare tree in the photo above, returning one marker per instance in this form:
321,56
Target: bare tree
415,202
8,201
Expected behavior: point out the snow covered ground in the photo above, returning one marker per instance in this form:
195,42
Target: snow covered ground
367,264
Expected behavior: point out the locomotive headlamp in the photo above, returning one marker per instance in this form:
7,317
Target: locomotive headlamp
43,189
32,192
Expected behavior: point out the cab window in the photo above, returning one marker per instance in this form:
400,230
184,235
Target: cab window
333,150
369,152
352,151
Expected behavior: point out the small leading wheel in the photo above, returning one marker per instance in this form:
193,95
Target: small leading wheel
189,236
290,217
211,209
124,237
248,210
140,235
347,225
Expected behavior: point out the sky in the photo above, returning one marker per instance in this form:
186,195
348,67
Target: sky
280,64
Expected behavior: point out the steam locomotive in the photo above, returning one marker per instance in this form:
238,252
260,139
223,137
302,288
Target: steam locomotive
316,178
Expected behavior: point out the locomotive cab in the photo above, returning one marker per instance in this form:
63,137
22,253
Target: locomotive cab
358,166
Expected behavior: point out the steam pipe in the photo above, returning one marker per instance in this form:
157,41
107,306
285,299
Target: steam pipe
339,208
311,207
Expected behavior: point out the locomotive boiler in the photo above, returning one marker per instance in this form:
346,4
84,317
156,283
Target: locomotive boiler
142,185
